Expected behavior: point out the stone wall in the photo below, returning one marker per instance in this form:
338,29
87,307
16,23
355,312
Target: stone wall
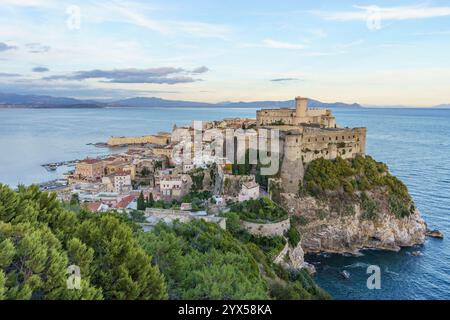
266,229
169,215
153,139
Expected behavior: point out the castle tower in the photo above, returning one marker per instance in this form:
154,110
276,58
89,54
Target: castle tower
301,107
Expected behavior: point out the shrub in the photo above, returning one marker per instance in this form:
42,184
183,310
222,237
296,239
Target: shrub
293,236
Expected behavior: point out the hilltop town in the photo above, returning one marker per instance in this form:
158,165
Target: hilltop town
148,167
185,175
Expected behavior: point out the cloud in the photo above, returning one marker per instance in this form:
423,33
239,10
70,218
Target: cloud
40,69
284,79
201,69
137,14
75,90
363,13
9,75
37,48
6,47
270,43
163,75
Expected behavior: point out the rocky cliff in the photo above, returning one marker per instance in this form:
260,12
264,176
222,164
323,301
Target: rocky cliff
348,205
322,228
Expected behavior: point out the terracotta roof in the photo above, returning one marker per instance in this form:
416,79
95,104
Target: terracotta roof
125,202
90,161
93,206
121,173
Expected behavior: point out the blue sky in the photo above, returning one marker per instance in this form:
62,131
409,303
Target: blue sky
371,52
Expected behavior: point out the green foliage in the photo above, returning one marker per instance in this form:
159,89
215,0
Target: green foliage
123,269
299,220
399,208
201,261
141,202
293,236
137,216
369,207
261,210
39,239
275,190
197,176
300,287
74,200
359,174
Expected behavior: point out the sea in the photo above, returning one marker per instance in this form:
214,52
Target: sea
414,143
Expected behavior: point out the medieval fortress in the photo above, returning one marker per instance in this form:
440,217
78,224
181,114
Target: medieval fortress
293,138
307,134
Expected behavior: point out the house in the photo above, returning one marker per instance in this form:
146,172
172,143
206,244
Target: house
188,167
126,203
122,182
90,169
174,186
249,190
96,206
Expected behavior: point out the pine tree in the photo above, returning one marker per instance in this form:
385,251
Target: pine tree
141,202
151,201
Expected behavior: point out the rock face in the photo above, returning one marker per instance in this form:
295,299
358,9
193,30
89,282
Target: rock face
324,230
435,234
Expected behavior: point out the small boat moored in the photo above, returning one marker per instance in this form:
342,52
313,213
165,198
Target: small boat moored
345,274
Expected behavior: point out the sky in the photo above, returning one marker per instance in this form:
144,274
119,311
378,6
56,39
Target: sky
369,52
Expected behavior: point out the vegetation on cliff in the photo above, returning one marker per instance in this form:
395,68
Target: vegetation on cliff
356,179
282,283
40,237
261,210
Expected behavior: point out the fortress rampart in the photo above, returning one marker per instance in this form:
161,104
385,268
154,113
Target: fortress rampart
152,139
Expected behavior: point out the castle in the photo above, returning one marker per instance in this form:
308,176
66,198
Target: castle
299,116
308,134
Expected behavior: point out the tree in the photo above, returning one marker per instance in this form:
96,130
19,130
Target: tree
74,200
202,261
124,270
40,239
35,264
150,200
141,202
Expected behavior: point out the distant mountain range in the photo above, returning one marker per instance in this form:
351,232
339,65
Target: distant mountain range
10,100
40,101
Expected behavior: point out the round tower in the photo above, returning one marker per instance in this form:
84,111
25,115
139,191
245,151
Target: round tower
301,107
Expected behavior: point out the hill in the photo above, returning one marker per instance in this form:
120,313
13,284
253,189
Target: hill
11,100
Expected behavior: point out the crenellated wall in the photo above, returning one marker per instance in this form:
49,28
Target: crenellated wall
266,229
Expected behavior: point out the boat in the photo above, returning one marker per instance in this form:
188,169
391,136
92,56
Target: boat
345,274
417,253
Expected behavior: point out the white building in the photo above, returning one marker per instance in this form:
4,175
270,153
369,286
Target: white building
122,182
249,190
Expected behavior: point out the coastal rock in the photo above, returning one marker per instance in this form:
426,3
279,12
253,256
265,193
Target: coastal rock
349,233
435,234
296,256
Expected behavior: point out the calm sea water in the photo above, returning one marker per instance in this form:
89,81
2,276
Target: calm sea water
415,143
